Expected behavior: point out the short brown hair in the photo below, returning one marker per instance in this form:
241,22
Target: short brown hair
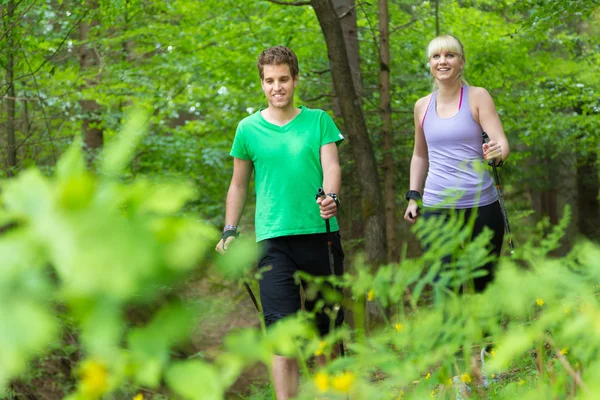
278,55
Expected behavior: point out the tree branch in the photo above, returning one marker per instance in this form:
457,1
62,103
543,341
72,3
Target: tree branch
37,88
33,72
319,97
11,27
291,3
373,32
319,72
406,25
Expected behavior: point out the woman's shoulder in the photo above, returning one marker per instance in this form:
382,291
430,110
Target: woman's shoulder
480,97
476,91
423,101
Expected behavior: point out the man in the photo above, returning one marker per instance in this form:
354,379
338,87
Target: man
293,152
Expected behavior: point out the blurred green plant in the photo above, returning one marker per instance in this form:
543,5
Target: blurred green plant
86,246
95,244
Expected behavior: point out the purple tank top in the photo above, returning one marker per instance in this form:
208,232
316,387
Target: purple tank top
457,176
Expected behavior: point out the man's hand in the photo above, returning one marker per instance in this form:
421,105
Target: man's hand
328,207
412,211
228,237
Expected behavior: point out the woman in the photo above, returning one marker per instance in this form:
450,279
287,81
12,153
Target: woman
448,145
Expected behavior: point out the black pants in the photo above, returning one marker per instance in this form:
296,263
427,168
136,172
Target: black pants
487,216
279,293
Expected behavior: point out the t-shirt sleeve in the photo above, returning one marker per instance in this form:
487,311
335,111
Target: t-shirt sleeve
239,149
329,132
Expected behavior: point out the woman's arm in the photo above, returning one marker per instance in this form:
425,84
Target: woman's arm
419,163
497,149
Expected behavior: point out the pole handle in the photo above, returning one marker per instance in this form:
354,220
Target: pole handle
486,139
320,193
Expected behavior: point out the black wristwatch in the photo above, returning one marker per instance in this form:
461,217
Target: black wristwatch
335,198
413,194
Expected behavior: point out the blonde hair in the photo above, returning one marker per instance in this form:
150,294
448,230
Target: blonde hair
451,44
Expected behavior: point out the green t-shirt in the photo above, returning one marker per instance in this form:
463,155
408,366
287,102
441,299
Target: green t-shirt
287,170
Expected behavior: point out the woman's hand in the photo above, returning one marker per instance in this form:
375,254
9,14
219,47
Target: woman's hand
492,151
412,211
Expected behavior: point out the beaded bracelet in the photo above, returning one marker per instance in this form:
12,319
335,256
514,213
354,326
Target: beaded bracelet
230,228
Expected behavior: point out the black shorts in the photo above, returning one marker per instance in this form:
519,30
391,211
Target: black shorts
487,216
279,293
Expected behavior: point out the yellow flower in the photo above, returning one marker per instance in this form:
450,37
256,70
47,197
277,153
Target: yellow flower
567,310
540,302
343,382
521,382
493,352
564,351
94,379
428,375
400,395
319,351
322,381
466,378
370,295
432,394
399,327
492,376
449,382
139,396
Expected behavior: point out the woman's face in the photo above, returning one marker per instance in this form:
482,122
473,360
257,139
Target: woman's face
446,65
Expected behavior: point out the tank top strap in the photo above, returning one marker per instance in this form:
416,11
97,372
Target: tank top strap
464,97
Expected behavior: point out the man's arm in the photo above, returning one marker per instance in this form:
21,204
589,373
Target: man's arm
332,179
236,197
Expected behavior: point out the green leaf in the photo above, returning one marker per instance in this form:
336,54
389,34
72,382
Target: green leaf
28,196
27,328
150,345
195,380
119,152
71,163
247,344
239,257
162,198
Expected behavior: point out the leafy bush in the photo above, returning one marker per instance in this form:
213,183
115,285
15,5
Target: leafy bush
96,245
87,246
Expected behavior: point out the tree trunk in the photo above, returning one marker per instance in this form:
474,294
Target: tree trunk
346,12
356,129
93,134
588,187
11,100
389,172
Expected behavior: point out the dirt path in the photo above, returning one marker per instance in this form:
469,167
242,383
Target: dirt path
231,308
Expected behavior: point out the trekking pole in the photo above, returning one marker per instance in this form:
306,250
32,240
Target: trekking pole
322,195
252,296
492,163
246,285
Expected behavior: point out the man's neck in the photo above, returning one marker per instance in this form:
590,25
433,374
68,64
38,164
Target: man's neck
278,116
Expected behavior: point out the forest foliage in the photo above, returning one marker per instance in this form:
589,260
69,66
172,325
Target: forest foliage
88,234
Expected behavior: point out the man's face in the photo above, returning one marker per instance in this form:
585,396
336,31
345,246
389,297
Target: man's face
278,85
